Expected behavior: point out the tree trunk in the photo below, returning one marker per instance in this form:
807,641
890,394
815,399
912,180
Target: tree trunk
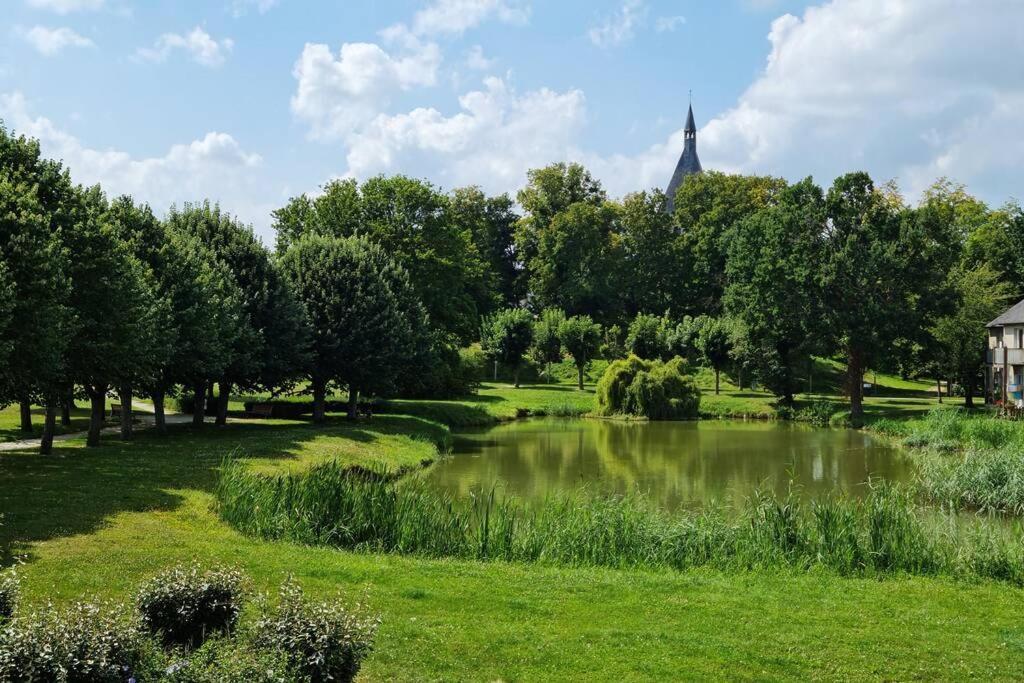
222,402
211,398
319,398
579,370
717,371
739,376
938,388
125,394
199,409
159,417
26,415
65,407
49,425
353,402
515,377
855,379
968,392
495,369
98,409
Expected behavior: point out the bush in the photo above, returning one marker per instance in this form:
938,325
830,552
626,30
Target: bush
85,643
227,659
321,641
9,591
184,604
818,413
651,389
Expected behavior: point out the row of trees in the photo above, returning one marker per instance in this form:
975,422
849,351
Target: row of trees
375,287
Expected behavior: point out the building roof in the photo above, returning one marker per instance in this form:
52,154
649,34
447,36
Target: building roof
1013,316
689,162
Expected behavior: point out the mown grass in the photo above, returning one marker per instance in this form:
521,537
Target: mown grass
10,423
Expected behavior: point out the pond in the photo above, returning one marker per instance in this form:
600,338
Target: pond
677,464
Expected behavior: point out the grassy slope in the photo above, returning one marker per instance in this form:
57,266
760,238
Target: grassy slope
98,522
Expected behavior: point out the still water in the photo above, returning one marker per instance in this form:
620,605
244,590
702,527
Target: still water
678,464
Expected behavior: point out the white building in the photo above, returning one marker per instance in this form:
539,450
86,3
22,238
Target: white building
1004,369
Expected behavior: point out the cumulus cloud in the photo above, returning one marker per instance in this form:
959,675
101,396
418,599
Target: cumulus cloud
52,41
337,94
477,60
454,17
620,27
492,140
899,89
201,47
214,166
67,6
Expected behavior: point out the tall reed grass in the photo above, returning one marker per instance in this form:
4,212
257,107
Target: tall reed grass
967,461
377,512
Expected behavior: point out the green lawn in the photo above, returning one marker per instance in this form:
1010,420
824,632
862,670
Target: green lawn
10,423
99,521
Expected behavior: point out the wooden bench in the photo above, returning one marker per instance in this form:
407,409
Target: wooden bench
261,410
115,411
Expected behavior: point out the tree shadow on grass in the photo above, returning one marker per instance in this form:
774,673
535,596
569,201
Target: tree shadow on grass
76,490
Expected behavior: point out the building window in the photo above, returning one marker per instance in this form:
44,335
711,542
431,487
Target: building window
1020,338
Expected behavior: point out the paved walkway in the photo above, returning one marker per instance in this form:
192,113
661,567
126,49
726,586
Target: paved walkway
145,418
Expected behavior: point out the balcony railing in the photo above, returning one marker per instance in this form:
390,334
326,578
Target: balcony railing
1013,356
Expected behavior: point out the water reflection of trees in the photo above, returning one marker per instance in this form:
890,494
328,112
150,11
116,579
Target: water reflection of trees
676,463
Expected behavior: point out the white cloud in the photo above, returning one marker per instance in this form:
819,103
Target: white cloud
454,17
338,95
477,60
67,6
200,46
669,24
51,41
621,26
494,138
242,7
899,89
214,166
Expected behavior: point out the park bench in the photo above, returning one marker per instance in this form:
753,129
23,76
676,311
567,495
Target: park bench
115,411
261,410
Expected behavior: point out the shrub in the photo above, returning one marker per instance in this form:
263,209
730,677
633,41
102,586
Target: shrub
228,659
818,413
9,590
85,643
652,389
321,641
184,604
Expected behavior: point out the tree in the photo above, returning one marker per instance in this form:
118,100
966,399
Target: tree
549,191
491,222
547,346
707,206
581,337
36,198
870,273
111,298
362,312
506,336
714,343
646,337
651,270
576,260
774,292
961,336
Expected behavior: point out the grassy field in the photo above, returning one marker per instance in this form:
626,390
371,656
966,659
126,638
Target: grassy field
98,522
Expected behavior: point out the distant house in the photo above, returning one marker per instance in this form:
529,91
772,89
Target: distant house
1004,368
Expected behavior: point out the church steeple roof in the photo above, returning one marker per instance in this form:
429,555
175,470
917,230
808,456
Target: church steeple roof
689,162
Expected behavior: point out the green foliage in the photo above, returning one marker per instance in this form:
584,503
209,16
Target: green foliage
547,345
320,641
581,337
185,605
507,335
83,643
652,389
490,221
227,660
613,343
651,255
366,322
882,534
10,590
714,341
647,337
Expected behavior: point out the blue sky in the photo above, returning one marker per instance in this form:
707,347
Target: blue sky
251,101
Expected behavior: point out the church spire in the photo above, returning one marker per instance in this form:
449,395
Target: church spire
689,162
